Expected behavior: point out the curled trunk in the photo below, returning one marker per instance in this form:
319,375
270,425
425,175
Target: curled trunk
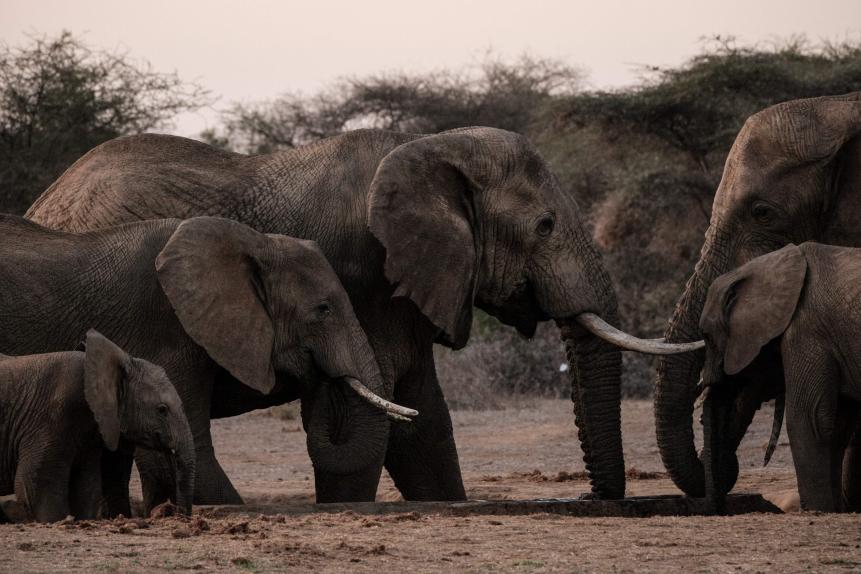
676,385
345,434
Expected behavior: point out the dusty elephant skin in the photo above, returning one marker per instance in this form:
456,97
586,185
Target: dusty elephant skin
419,229
794,301
60,411
216,304
792,175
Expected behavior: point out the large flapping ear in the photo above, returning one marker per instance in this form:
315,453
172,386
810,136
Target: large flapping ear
423,209
816,129
105,370
209,273
765,293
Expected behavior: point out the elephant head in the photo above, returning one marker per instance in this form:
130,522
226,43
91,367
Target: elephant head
474,216
746,311
792,175
268,307
134,400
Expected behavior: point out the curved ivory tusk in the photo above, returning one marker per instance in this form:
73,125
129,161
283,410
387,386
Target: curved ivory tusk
779,406
379,401
398,418
600,328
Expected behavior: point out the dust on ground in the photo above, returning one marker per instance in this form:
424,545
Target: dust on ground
528,452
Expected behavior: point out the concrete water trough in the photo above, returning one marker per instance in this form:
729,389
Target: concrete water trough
635,506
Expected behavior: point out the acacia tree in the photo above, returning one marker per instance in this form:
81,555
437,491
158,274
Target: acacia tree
494,93
59,98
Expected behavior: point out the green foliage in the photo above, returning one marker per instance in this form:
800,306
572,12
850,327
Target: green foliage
58,99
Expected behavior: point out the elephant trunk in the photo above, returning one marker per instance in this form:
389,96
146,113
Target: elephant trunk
718,456
596,370
676,384
346,418
345,434
595,366
183,460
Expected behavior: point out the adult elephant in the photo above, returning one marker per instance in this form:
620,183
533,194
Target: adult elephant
216,304
792,175
419,228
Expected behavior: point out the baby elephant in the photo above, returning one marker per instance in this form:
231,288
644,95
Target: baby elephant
786,325
59,411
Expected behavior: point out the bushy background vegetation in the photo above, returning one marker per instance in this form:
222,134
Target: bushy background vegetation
643,162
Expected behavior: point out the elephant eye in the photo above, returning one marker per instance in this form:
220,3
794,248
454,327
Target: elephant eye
162,409
323,309
544,226
762,212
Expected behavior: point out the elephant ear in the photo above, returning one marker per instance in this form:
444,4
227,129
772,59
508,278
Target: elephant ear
819,127
759,301
209,272
106,367
422,208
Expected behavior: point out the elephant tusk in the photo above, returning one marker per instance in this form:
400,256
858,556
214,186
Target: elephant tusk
600,328
399,418
379,401
779,406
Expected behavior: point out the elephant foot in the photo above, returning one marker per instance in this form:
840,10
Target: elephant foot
425,474
211,484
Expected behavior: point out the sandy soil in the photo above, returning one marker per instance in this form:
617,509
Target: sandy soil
527,452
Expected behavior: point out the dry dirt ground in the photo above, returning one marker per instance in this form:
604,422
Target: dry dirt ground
527,452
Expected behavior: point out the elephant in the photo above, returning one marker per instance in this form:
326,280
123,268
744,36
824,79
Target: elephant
215,303
792,175
792,317
420,229
61,410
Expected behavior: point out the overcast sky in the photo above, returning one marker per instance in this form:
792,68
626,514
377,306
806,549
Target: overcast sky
256,49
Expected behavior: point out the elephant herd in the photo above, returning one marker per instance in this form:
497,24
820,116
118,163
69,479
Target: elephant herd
160,283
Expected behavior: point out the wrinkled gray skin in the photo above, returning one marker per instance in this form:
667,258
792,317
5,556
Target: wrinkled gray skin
791,319
216,304
792,175
419,228
60,411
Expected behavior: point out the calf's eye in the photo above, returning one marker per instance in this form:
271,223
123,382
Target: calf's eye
544,226
162,409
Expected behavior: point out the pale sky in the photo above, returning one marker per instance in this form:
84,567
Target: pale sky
256,49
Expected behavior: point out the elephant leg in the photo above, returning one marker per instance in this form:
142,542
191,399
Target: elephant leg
85,485
116,469
42,485
211,485
422,456
812,425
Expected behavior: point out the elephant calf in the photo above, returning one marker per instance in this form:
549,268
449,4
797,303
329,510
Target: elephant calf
785,325
59,411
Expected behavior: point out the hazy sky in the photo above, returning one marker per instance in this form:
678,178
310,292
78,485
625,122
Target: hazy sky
255,49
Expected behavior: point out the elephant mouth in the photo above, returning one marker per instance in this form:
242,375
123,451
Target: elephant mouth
519,310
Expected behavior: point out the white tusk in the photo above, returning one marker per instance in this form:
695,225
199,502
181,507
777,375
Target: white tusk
379,401
399,418
600,328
